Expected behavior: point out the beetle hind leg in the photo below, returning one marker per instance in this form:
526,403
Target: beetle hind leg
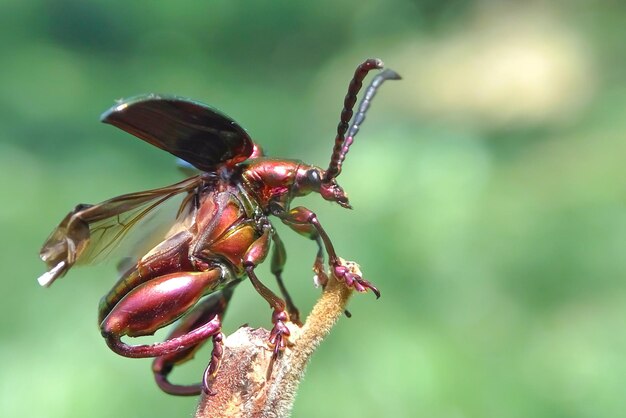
204,311
155,304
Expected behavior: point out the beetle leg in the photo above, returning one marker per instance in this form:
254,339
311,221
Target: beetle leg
167,257
214,304
305,222
319,278
155,304
214,364
279,258
280,332
255,255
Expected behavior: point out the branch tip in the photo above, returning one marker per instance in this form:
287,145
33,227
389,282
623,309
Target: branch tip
242,386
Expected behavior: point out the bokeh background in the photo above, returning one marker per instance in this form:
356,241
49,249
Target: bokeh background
489,189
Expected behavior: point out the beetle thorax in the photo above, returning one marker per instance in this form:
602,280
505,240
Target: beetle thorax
270,179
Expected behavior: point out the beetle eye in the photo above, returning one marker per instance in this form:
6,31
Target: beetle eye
313,176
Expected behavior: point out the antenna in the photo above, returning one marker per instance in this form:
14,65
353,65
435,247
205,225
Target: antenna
342,143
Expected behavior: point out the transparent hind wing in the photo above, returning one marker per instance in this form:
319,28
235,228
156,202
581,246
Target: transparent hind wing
90,233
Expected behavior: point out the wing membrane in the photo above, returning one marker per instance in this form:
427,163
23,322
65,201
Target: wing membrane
90,232
190,130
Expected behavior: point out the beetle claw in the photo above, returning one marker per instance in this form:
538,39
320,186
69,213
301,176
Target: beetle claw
279,337
216,359
350,273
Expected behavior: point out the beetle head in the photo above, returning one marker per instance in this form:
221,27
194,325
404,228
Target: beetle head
312,179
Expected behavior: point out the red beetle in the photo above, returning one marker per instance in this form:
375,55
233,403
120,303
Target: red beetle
221,232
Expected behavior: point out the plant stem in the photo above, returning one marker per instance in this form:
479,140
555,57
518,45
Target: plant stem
242,386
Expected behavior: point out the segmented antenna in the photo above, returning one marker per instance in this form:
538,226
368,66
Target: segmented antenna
346,114
365,104
342,143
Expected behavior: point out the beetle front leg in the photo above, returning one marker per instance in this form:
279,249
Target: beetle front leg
203,312
155,304
320,278
305,222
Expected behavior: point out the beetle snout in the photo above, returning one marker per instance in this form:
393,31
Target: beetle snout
334,192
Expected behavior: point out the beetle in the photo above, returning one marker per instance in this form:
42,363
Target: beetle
221,232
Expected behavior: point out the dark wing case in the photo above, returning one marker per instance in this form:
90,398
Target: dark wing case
190,130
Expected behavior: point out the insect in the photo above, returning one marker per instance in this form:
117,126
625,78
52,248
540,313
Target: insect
221,232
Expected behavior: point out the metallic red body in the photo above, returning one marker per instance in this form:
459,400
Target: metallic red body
222,230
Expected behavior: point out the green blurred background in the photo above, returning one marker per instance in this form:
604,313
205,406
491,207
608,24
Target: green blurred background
489,191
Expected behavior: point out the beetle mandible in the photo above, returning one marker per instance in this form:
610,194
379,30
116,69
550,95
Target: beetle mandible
222,230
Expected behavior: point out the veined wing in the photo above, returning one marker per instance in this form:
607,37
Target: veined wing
90,232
